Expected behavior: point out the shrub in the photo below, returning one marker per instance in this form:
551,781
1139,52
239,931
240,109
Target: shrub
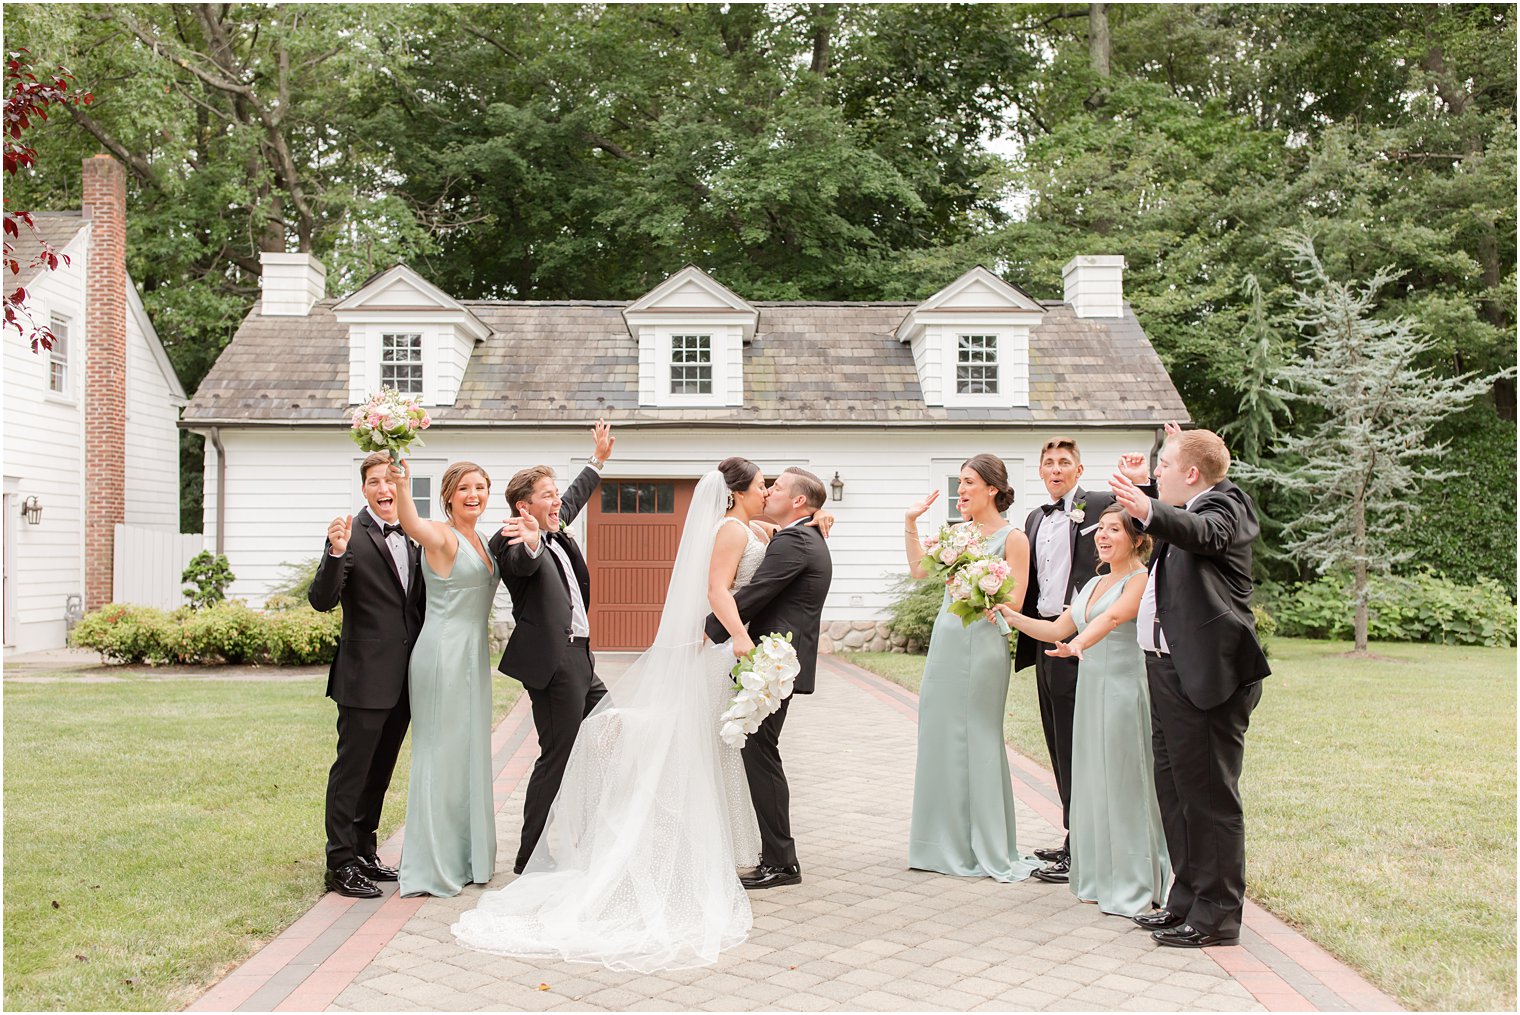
227,632
1424,607
206,578
915,604
295,581
301,636
122,633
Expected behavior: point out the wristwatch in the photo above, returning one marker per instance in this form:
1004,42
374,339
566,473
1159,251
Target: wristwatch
596,463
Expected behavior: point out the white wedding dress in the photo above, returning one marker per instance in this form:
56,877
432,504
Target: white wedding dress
637,866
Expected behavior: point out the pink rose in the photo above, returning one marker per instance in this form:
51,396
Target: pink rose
990,583
948,555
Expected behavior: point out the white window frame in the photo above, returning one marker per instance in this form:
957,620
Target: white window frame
672,364
419,363
720,342
969,337
945,473
61,325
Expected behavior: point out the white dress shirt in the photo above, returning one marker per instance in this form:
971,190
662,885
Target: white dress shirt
1052,554
396,543
580,623
1145,621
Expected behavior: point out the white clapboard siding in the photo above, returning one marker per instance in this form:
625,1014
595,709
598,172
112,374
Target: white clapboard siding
149,563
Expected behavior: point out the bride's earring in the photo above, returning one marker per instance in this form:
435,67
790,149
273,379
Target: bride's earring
730,500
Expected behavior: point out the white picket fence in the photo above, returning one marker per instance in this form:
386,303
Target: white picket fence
148,563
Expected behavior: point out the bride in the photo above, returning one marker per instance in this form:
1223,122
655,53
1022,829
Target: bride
637,867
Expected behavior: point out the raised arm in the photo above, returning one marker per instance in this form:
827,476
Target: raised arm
518,547
912,544
728,547
1216,523
333,566
434,537
590,477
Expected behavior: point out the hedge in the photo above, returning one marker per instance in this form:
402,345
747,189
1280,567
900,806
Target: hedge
228,632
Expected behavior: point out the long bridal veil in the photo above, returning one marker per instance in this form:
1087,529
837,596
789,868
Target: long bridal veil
636,866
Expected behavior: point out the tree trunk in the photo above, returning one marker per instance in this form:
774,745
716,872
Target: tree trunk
1359,572
1097,39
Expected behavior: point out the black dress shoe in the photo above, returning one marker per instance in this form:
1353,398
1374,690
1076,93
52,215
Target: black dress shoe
1159,919
1184,936
1058,873
347,880
371,867
1052,855
766,876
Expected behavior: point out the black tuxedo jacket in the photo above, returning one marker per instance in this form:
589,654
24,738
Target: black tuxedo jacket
540,592
380,621
1084,563
1203,592
786,595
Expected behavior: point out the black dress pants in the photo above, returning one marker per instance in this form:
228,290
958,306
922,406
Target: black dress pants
1199,754
558,708
1056,681
768,791
368,741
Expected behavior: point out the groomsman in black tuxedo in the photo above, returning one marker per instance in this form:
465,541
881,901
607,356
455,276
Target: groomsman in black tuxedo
1205,669
1062,558
550,648
370,567
785,596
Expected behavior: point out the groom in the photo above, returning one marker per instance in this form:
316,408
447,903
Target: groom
784,597
550,648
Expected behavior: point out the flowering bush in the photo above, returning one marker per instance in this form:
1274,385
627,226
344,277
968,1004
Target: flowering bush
762,679
950,549
389,421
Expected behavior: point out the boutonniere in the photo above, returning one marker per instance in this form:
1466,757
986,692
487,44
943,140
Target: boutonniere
1078,511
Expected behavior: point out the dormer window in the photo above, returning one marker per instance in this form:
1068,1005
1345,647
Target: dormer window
691,333
976,365
401,362
691,365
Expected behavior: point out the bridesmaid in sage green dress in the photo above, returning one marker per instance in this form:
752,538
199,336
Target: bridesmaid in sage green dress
963,819
450,818
1118,848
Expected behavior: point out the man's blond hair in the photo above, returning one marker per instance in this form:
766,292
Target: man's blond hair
1205,450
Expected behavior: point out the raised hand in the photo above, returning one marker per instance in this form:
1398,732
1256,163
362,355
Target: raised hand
339,533
918,509
604,440
1135,468
1129,497
1171,429
401,472
521,529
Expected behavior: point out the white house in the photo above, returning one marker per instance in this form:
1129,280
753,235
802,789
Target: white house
883,401
90,426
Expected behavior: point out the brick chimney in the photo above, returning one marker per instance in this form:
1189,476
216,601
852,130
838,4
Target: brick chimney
105,358
1095,284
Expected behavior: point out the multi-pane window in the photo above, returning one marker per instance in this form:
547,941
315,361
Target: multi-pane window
691,365
401,363
952,500
976,365
58,356
638,498
422,495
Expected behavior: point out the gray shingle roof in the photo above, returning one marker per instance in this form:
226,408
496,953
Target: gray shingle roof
809,363
56,227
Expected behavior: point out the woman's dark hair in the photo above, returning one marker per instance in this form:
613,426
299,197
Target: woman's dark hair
738,473
1140,540
995,474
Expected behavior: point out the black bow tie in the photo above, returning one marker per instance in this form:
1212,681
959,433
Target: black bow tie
1051,509
386,530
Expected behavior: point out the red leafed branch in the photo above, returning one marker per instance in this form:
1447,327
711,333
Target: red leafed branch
27,99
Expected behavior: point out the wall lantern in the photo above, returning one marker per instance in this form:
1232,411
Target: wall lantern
31,510
838,486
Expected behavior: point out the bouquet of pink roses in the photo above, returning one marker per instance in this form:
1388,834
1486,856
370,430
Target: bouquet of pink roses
979,586
951,549
388,421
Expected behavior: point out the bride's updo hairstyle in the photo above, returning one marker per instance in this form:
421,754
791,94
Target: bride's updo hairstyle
738,473
995,474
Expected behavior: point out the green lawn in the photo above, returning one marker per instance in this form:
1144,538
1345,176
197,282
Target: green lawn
1380,808
158,831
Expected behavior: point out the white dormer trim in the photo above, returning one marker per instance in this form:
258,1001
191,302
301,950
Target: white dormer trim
979,303
691,302
400,301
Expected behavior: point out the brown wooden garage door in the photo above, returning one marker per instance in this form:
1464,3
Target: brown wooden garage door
632,531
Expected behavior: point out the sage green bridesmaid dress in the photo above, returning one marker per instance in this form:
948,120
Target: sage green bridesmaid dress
963,820
450,835
1118,848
